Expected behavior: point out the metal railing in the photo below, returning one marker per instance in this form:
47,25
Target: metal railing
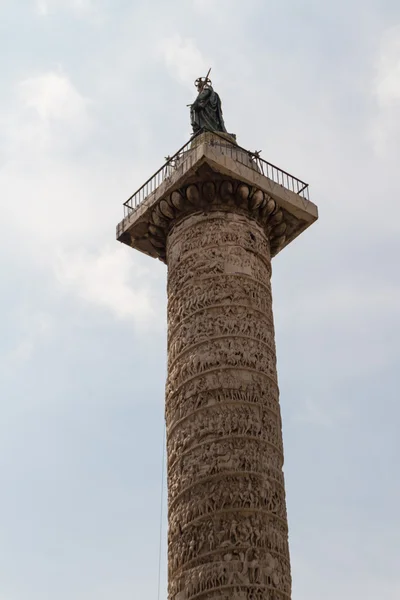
253,160
185,156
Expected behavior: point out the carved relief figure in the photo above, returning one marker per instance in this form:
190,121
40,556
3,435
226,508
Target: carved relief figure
227,514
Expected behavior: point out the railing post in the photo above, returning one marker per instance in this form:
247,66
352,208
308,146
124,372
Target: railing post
182,156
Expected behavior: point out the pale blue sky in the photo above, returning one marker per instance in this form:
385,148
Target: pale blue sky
93,97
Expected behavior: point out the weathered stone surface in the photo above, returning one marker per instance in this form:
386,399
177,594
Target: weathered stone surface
228,536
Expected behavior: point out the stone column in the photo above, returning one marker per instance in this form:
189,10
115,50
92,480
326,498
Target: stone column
228,535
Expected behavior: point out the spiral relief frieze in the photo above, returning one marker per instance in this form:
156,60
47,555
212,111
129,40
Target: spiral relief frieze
220,388
237,290
228,534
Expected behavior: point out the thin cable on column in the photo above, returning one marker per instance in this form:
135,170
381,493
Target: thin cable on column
161,513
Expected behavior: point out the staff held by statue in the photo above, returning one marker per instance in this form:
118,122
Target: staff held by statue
202,82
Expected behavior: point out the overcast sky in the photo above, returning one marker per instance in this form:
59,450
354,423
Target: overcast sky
93,97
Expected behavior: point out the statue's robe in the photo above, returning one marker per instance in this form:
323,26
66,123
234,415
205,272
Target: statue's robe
206,112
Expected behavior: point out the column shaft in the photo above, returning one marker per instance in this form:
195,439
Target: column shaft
228,536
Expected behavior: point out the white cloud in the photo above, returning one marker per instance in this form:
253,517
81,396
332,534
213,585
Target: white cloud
51,208
48,196
77,7
388,76
183,59
386,91
48,114
216,6
51,205
35,328
106,280
52,96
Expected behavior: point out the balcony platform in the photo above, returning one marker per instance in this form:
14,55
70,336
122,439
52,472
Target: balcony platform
215,157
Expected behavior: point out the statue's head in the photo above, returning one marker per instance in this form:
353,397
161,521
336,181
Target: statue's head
202,82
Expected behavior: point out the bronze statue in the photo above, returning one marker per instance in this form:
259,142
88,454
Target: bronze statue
206,111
